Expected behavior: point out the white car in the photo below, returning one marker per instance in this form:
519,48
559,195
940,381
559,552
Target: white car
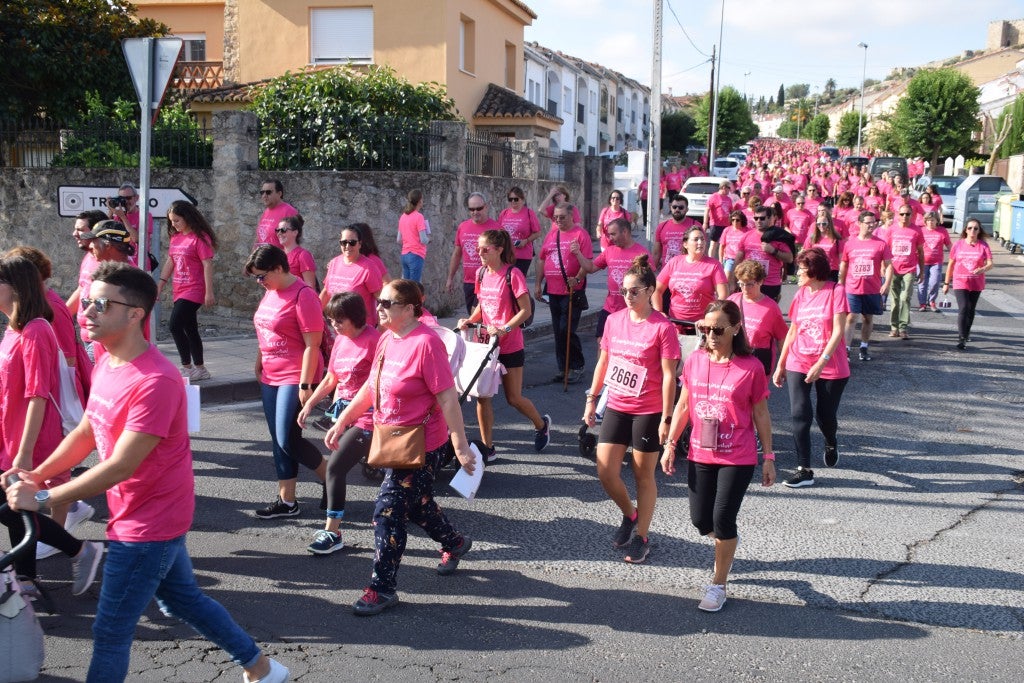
726,167
697,190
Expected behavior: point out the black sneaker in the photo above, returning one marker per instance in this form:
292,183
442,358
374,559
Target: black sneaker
831,456
278,509
490,454
576,376
625,532
803,477
961,344
450,558
373,602
864,355
542,437
637,550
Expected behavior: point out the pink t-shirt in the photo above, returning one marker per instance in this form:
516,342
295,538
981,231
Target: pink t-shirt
762,320
726,392
359,277
410,225
146,396
800,222
133,222
617,260
271,218
692,285
903,245
415,370
351,360
731,239
520,225
865,261
634,371
28,369
608,214
967,257
833,249
283,315
496,303
85,271
935,241
378,263
719,208
188,251
73,350
753,249
813,314
549,257
467,238
301,261
671,236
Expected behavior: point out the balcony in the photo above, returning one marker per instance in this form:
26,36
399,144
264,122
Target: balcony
552,107
197,75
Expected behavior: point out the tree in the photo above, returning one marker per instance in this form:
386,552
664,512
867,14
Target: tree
787,129
797,91
883,137
677,131
830,89
848,126
1014,142
735,126
55,52
937,115
817,129
781,99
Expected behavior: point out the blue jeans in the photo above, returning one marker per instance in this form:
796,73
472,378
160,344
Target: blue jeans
412,267
928,287
133,574
281,407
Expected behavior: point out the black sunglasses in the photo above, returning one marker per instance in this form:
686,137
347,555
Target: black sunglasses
101,304
515,199
386,304
717,331
266,192
348,243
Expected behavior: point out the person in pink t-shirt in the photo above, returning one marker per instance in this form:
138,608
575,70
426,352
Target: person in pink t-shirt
799,220
825,236
84,223
275,210
670,235
906,245
410,383
716,218
969,260
523,227
126,212
637,366
559,194
190,261
865,272
370,251
347,371
351,271
289,326
617,258
614,211
812,357
731,239
137,421
725,398
300,261
503,304
414,236
465,252
762,319
936,241
693,280
773,255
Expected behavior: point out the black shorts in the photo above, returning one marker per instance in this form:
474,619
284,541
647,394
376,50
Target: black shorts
515,359
469,291
715,233
773,292
638,431
602,318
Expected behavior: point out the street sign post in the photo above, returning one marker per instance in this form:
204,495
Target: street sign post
73,199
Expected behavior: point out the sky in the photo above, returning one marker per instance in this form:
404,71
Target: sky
766,43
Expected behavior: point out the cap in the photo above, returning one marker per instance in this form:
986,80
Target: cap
113,231
777,188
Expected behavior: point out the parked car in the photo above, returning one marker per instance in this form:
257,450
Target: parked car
879,165
738,154
726,167
946,185
831,152
697,190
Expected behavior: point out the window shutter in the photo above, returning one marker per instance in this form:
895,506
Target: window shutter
341,35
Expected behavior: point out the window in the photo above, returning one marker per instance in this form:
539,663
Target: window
567,100
194,47
341,34
510,66
467,44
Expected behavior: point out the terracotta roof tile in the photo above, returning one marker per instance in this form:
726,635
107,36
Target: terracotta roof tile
499,102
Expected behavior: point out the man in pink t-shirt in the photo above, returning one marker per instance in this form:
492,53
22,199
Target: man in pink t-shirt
465,251
716,218
799,220
137,420
84,222
906,244
866,272
617,257
670,234
275,210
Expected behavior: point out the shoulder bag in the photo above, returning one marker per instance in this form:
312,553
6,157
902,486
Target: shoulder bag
579,296
399,447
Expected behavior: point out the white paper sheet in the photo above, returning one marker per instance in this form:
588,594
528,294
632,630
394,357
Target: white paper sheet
468,484
192,394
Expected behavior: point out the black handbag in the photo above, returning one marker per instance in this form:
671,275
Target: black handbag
579,296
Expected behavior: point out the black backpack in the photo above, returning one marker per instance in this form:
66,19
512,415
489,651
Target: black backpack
508,283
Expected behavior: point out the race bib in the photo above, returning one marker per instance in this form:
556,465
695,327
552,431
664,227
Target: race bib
863,268
625,378
901,248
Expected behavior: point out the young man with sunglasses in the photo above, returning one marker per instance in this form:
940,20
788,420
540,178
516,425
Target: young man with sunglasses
670,236
275,210
137,419
773,256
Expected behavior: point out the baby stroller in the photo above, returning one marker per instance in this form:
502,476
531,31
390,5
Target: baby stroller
21,637
689,340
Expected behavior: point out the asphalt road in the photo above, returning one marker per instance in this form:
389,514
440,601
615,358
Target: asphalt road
903,563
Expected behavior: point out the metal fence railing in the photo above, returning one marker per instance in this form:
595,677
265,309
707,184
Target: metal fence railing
551,166
493,156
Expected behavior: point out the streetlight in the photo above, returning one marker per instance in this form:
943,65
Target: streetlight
745,85
863,80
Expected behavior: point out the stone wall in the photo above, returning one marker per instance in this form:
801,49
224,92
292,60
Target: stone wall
228,196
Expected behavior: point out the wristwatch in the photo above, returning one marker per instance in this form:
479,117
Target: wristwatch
507,329
43,498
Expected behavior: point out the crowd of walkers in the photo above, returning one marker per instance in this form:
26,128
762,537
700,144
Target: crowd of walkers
689,339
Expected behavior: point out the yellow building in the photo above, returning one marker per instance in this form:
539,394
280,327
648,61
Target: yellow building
463,44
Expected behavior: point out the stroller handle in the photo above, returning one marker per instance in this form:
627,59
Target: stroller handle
31,531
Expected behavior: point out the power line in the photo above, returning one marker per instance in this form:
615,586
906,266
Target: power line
672,10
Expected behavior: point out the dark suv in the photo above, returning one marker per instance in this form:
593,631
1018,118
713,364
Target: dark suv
879,165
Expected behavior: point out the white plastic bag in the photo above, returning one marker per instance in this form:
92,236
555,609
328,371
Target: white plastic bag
69,405
489,381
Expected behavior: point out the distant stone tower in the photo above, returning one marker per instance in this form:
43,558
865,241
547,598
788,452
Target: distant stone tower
1005,33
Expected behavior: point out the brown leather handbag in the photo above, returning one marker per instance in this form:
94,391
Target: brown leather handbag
399,447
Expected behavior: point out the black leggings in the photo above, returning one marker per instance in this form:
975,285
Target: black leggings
716,493
829,393
184,326
353,446
49,532
967,302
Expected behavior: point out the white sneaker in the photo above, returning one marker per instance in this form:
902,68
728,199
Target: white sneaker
278,674
714,598
82,513
44,551
186,371
199,373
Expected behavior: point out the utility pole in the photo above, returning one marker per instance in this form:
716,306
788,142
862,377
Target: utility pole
863,80
712,114
654,146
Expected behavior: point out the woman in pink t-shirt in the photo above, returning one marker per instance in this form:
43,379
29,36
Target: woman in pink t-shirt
694,280
813,357
725,399
410,383
502,309
368,248
827,238
347,371
559,194
637,366
523,227
352,271
300,262
762,318
413,235
190,260
936,241
731,239
969,260
608,214
289,326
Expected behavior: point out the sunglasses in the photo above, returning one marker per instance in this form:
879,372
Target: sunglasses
266,192
972,228
475,208
281,231
632,292
707,330
514,199
904,213
760,218
348,243
386,304
102,303
678,207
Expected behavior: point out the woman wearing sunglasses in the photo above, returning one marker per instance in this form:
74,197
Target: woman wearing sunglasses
731,238
639,354
523,227
693,278
289,326
969,260
811,358
347,370
352,271
725,397
300,261
824,236
613,211
410,382
503,304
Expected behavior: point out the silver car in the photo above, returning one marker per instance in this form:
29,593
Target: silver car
947,185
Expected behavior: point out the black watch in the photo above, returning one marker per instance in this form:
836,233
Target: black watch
307,387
